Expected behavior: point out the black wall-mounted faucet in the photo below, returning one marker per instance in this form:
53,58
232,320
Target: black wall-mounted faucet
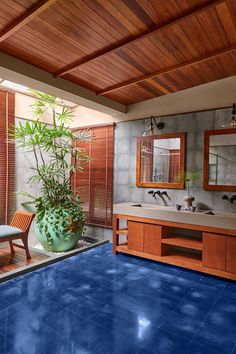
154,193
157,192
225,197
230,199
233,198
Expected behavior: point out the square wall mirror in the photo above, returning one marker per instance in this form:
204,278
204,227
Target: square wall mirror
160,161
220,160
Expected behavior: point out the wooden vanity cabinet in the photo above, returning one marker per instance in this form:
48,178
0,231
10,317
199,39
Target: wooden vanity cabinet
135,236
231,254
152,239
219,252
144,237
214,250
204,249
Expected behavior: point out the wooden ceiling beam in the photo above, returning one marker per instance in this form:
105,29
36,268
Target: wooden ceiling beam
131,40
168,70
21,21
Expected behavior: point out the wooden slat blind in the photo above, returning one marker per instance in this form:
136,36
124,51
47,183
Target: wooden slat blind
96,181
7,157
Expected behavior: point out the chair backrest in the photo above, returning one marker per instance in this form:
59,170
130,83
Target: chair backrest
22,220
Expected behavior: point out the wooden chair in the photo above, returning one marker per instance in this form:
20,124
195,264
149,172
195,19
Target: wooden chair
17,230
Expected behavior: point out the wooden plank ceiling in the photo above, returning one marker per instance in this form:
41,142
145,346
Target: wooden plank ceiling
127,50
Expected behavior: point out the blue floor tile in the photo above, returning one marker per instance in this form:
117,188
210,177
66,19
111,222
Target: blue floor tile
144,351
85,307
96,302
167,343
12,292
195,348
216,338
183,326
64,321
197,303
223,314
130,325
38,339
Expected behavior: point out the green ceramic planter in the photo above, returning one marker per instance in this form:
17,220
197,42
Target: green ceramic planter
54,234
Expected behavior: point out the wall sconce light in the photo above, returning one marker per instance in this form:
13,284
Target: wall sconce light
154,127
232,122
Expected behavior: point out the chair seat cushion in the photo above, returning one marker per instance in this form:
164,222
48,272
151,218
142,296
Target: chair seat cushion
8,231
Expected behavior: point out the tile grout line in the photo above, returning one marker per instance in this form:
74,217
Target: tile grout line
207,315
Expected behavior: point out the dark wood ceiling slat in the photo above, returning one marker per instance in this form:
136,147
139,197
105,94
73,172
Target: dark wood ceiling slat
139,36
139,12
170,69
225,13
29,15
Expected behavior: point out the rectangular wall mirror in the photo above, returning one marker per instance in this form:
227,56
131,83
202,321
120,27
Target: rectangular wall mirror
220,160
161,161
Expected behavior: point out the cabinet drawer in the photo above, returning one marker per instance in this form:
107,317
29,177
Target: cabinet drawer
214,251
231,255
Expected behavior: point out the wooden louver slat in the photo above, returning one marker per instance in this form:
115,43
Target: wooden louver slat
95,183
7,157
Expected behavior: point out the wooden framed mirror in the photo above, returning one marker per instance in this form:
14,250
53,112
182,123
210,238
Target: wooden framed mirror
219,170
160,161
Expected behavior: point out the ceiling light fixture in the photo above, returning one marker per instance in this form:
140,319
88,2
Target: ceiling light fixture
154,127
232,122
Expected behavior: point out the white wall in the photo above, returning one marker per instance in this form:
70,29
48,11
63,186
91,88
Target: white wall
23,108
85,116
82,116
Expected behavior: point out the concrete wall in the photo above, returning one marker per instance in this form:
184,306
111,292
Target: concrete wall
125,159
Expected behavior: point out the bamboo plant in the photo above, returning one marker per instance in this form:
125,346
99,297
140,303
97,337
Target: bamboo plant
57,156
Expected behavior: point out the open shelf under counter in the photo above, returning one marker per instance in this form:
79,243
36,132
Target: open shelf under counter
179,258
194,243
184,260
122,231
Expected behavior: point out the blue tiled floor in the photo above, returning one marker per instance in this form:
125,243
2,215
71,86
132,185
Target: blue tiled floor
97,303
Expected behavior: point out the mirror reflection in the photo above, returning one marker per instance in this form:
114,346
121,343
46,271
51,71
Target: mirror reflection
160,160
222,159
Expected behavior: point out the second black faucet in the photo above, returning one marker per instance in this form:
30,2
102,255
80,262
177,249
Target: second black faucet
157,193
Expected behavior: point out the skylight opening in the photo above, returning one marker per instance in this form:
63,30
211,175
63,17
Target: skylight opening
26,90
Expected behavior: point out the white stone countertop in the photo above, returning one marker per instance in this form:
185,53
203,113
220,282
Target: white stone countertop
221,219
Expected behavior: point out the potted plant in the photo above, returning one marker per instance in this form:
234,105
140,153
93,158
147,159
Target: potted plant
188,177
59,218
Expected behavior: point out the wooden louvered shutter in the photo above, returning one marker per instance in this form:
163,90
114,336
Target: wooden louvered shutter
7,157
96,181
